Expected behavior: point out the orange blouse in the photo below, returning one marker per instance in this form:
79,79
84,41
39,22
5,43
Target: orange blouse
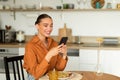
34,58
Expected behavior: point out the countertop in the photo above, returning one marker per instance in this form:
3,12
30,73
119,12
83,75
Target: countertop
12,45
69,45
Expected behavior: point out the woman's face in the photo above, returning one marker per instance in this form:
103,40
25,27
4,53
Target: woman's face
45,27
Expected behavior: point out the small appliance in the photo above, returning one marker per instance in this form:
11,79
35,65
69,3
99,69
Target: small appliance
20,36
7,36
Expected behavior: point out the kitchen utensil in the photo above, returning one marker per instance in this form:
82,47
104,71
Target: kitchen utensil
65,32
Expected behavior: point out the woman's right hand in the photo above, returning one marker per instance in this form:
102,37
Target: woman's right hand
54,51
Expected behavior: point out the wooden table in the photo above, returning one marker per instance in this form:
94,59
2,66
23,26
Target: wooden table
92,76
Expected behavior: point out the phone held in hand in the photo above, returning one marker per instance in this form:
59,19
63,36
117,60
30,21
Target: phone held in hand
63,40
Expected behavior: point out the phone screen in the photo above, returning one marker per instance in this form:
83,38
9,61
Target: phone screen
63,40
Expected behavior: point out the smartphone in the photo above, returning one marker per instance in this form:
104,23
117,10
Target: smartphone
63,40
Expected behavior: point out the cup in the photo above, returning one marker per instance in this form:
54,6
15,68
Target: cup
65,6
109,5
53,75
70,6
58,7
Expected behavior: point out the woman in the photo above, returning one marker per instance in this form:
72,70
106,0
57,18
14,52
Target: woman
42,52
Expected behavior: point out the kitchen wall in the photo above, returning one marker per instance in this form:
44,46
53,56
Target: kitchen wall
82,23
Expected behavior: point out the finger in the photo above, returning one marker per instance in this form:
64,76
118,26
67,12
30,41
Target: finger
60,46
64,46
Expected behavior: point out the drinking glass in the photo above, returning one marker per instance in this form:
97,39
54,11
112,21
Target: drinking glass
98,70
84,2
53,75
78,2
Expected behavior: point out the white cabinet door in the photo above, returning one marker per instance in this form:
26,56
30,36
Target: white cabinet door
73,64
110,61
88,59
2,76
21,51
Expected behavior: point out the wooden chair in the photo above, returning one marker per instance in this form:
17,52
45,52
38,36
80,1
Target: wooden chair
16,63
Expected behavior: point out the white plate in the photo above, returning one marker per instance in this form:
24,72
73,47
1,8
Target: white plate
71,75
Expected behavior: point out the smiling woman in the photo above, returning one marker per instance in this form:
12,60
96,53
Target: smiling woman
42,52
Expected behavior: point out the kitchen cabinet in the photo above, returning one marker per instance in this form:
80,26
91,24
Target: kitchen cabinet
21,51
88,59
73,60
110,61
2,76
73,64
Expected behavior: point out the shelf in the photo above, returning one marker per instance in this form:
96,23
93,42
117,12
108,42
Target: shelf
51,10
26,10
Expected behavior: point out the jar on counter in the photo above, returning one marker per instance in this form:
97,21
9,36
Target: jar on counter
109,6
20,36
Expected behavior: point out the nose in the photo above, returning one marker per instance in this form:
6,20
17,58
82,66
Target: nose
50,28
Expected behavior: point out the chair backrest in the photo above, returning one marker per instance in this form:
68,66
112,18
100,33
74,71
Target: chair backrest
16,63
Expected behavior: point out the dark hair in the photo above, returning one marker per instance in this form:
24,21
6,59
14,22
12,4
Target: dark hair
42,16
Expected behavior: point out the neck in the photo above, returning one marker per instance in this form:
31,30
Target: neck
44,40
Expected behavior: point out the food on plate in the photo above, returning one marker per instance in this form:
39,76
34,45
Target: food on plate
60,74
63,74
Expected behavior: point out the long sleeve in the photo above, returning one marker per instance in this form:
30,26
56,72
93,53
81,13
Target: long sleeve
32,65
61,63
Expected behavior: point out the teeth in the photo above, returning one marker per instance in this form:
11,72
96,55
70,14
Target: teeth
48,32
